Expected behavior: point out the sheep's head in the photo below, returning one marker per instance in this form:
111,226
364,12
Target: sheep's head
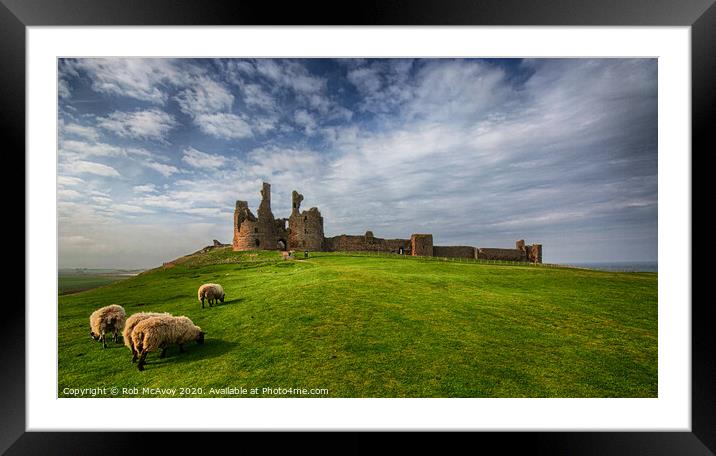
94,336
200,338
222,297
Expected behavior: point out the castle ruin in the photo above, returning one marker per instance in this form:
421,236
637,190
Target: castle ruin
305,232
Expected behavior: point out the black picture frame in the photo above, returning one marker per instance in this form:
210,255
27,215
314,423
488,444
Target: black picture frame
700,15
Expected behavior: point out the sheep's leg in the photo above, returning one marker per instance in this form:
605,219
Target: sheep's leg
181,348
103,337
134,355
142,358
202,302
163,354
116,336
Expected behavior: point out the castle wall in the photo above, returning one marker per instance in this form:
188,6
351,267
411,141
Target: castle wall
534,253
251,232
305,229
500,254
365,243
281,233
245,228
421,245
454,251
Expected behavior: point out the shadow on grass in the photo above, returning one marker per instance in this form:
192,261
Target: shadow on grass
111,345
226,302
211,348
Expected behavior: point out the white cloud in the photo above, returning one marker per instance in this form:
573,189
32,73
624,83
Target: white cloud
68,181
68,194
198,159
209,104
82,149
223,125
204,95
384,85
73,155
81,166
148,124
268,161
81,131
65,71
132,209
264,124
142,79
63,89
163,169
458,91
366,79
291,75
255,95
102,200
146,188
306,121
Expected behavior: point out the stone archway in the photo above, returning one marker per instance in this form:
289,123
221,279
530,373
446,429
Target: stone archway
281,244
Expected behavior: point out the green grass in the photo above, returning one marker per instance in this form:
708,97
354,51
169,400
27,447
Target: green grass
380,326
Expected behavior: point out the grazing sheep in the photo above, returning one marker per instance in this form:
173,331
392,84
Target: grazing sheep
211,292
105,320
129,327
162,331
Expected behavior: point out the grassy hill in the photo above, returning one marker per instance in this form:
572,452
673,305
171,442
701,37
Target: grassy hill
377,326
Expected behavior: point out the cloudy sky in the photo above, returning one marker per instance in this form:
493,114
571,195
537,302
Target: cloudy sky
153,153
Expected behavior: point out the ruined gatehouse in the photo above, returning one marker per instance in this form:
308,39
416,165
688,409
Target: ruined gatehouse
303,230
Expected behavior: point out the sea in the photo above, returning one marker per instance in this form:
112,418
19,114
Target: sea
621,266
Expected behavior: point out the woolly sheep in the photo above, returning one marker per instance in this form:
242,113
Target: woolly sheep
162,331
129,327
211,292
105,320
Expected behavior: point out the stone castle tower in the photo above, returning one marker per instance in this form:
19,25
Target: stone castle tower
258,233
305,229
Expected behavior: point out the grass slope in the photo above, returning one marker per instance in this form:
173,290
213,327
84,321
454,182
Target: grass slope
371,326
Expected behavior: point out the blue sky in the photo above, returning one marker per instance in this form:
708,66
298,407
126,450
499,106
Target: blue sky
153,153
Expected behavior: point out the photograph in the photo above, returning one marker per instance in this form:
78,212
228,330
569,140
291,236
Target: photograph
357,227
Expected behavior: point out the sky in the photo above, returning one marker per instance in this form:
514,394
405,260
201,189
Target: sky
154,153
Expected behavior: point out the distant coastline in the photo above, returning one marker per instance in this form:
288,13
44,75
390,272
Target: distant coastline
618,266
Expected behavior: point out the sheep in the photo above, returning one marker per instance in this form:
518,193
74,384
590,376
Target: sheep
162,331
211,292
129,327
107,319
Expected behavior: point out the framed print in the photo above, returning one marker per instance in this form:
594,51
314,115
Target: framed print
379,226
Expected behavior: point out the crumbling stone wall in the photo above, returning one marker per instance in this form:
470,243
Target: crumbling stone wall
245,228
500,254
251,232
366,243
534,253
421,245
305,229
454,251
281,233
